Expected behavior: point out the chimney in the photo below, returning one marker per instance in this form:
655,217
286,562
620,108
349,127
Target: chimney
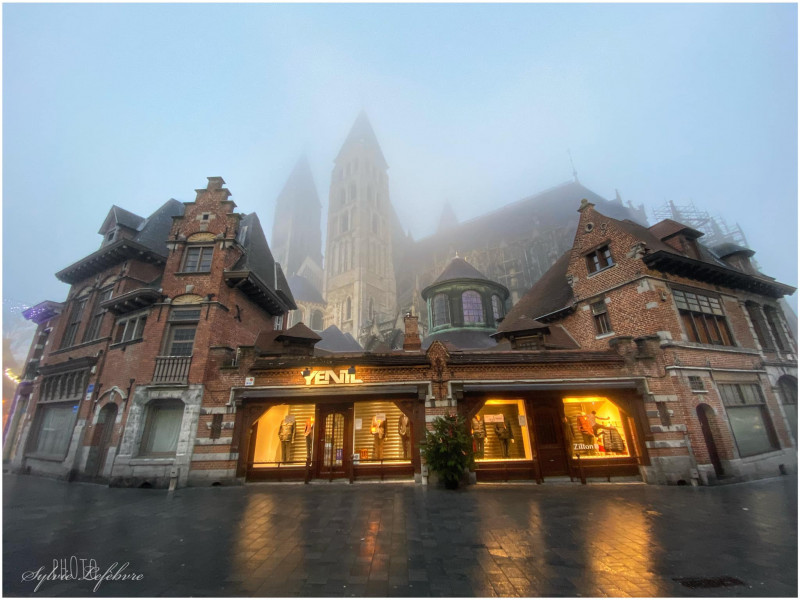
411,343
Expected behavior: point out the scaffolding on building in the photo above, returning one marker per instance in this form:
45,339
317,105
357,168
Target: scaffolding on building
716,229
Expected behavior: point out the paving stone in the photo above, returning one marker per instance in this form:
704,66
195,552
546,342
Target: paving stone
399,540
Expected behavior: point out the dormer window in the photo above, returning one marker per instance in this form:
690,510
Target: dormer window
110,236
198,259
599,259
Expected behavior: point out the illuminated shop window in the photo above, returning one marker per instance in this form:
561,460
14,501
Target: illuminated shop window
595,428
284,435
500,432
381,433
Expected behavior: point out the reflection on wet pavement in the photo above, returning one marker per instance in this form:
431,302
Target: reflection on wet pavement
406,540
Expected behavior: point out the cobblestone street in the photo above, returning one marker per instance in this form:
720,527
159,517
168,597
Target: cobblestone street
404,540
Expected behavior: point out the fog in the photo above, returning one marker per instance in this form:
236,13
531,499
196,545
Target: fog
477,105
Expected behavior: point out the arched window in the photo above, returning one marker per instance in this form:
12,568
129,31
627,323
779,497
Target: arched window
472,307
343,197
348,309
497,307
316,320
441,310
352,192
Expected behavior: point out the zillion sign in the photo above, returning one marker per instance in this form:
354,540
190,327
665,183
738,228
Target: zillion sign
328,377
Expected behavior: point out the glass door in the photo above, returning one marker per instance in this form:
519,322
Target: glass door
334,443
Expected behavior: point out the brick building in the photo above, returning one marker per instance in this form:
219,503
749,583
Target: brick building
640,353
119,385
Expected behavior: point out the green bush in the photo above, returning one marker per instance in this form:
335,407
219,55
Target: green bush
448,449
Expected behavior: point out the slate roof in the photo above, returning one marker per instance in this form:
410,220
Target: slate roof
333,340
548,295
458,268
150,243
726,249
303,290
119,216
462,339
258,259
668,227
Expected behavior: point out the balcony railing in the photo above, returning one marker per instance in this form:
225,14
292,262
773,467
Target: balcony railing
172,369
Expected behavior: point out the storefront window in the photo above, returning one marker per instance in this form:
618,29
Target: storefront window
595,428
500,431
284,435
381,432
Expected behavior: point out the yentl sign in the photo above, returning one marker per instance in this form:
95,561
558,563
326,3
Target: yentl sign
328,377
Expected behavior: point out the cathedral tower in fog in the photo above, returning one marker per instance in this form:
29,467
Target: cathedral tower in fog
359,274
296,235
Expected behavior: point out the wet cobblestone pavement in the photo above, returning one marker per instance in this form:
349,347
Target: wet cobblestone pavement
391,539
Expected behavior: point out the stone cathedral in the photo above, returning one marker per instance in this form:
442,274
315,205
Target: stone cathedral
372,272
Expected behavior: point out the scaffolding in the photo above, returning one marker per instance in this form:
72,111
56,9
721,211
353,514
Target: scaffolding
716,230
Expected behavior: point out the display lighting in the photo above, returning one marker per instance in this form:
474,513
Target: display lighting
13,377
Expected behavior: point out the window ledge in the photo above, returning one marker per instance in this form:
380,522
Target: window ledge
192,273
698,346
604,335
604,269
123,345
151,460
47,457
81,345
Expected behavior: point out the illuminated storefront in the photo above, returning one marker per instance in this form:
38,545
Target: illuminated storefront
334,426
540,434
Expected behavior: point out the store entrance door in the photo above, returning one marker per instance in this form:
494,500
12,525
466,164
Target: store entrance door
334,442
549,439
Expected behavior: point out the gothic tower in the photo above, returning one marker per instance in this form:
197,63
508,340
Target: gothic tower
359,272
296,233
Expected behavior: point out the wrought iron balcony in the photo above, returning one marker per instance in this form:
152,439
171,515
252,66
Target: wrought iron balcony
172,369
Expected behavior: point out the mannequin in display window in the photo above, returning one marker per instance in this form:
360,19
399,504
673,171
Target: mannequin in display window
378,430
308,432
504,434
478,434
585,427
596,427
404,431
286,436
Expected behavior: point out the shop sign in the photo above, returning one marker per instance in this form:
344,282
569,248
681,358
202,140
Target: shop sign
248,381
584,447
358,423
493,418
328,377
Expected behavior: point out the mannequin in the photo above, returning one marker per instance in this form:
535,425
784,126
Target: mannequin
378,430
503,432
478,434
308,432
286,436
404,431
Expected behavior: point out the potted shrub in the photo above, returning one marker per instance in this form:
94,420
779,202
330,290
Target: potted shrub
448,449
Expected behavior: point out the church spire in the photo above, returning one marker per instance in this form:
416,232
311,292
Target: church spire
362,137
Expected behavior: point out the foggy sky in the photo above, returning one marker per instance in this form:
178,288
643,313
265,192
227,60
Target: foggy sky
475,104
